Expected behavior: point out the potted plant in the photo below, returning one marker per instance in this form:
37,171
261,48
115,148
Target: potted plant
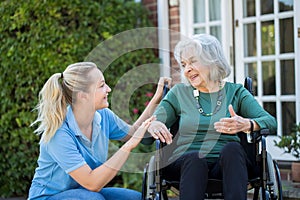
291,144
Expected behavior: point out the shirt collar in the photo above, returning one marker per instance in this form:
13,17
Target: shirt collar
70,118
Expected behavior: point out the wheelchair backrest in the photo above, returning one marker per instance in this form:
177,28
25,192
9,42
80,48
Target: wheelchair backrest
174,128
251,149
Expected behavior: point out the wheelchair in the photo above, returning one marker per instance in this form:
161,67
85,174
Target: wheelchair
264,180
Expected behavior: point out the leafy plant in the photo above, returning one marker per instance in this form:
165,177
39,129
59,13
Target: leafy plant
37,39
291,143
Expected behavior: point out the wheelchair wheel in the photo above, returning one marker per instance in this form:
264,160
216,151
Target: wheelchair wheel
148,193
278,180
275,190
264,194
144,183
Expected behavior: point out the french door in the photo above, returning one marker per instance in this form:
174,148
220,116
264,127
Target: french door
266,49
261,40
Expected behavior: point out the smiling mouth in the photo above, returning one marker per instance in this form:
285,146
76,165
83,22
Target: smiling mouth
193,77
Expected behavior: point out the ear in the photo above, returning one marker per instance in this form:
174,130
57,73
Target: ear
82,95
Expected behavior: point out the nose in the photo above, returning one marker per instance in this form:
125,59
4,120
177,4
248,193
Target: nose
108,89
188,68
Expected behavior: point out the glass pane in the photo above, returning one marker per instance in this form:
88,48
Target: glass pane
248,8
286,35
287,73
249,40
199,11
267,38
266,7
288,117
216,31
270,107
286,5
214,10
251,71
199,30
268,73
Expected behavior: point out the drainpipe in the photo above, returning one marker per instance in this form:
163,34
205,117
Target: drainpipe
163,37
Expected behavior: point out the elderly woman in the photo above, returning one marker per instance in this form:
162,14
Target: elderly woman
211,112
76,125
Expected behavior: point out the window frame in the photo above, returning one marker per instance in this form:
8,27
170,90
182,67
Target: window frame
232,42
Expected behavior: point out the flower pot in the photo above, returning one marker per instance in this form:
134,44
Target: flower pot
296,171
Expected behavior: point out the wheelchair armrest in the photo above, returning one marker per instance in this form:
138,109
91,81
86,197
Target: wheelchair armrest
258,135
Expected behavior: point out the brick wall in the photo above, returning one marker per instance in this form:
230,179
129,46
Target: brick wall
174,25
151,6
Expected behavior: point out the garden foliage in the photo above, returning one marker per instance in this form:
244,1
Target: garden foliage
39,38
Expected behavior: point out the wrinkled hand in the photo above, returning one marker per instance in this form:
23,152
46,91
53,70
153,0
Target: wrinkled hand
158,130
233,124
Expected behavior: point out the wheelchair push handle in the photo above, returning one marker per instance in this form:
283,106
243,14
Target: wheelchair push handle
166,90
248,84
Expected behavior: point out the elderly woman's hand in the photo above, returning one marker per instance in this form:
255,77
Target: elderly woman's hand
158,130
233,124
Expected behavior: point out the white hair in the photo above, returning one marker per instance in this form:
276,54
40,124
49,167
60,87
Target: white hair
210,53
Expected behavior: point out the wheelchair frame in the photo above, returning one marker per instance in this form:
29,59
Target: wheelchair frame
266,185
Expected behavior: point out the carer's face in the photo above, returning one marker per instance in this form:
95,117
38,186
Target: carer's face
194,71
99,90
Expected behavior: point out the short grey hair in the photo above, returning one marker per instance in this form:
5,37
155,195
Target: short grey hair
210,53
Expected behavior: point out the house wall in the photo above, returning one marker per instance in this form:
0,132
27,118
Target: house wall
151,6
174,26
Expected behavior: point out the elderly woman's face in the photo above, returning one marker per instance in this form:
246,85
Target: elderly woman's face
194,71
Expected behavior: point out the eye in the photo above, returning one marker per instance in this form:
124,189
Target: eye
183,64
100,85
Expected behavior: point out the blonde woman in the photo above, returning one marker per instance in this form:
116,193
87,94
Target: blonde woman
76,125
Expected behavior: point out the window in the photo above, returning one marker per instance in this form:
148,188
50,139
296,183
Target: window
267,28
260,40
207,17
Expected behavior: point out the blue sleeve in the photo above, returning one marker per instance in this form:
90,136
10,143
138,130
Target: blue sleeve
114,127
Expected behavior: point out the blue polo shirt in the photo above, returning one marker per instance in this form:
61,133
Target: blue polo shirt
70,149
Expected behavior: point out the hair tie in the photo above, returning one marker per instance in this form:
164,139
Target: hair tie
62,75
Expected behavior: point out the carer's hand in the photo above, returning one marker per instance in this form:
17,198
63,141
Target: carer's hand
158,130
139,133
160,86
233,124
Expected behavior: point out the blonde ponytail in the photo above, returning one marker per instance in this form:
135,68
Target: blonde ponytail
51,108
56,95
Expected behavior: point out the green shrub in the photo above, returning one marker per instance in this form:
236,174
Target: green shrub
290,143
39,38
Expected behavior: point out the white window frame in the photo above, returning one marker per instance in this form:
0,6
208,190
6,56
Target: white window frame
187,29
297,53
187,26
240,61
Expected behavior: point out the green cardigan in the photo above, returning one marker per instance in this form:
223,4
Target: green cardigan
196,132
